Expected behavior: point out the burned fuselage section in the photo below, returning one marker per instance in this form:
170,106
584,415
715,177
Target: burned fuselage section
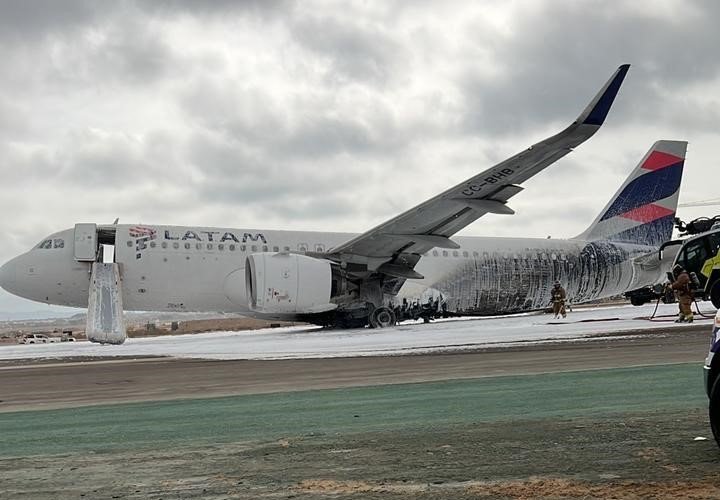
500,276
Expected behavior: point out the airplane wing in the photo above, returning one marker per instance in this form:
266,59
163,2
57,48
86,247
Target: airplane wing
394,246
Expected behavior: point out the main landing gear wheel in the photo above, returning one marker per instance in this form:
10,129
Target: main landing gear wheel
382,317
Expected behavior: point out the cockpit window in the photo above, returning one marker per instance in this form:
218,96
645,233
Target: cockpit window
51,243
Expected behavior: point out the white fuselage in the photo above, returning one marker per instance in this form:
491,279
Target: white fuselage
202,269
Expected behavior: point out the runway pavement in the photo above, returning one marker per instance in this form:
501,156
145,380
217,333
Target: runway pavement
31,384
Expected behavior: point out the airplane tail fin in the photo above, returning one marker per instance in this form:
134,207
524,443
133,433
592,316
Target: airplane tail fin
643,209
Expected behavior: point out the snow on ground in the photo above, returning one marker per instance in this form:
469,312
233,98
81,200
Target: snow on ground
455,334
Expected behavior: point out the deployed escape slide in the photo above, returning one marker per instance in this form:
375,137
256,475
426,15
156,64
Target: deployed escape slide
105,322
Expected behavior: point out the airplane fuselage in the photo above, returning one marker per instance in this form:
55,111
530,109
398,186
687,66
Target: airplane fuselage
172,268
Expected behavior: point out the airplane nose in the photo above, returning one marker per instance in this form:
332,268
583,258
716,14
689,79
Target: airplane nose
7,276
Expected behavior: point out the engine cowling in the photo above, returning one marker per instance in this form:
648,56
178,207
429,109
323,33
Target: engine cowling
282,283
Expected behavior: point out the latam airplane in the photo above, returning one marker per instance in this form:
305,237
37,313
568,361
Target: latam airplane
350,280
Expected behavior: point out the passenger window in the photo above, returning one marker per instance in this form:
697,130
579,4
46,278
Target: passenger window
465,254
221,246
198,246
164,244
232,247
435,253
476,254
187,246
276,249
265,248
243,248
209,246
319,247
302,247
287,249
176,245
152,244
456,253
445,253
254,248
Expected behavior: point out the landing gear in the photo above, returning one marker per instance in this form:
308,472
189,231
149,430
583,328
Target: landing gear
382,317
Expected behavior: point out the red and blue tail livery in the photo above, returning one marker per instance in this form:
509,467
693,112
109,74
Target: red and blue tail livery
642,211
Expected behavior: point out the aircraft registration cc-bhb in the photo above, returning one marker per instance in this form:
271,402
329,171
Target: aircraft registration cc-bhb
349,280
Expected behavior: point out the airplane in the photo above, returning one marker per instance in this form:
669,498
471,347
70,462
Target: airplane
349,280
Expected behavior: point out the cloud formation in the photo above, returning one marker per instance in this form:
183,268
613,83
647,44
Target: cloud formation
334,116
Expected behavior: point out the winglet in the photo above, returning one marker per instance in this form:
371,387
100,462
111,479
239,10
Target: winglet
599,107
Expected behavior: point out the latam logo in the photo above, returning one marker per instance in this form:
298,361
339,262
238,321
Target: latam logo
215,236
142,235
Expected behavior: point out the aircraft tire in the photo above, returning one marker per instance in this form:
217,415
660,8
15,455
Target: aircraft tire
382,317
714,410
715,294
637,301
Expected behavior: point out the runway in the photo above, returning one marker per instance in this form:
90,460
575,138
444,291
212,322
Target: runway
44,385
473,408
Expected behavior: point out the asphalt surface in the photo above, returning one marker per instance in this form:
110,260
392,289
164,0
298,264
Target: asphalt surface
30,385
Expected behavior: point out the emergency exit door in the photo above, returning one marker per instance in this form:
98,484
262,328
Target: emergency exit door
85,242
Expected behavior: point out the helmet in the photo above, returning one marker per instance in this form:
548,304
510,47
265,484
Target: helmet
557,282
677,270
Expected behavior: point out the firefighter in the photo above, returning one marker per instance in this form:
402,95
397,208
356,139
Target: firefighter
558,300
683,291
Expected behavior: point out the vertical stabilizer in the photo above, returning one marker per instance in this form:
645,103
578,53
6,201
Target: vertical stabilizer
643,209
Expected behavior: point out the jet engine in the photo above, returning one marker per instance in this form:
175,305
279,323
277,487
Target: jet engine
282,283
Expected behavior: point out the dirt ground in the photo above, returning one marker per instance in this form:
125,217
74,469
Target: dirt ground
638,456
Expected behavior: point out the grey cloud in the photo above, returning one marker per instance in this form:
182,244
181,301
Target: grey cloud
260,8
309,128
560,54
356,51
27,21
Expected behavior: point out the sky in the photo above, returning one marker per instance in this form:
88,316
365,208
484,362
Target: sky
335,116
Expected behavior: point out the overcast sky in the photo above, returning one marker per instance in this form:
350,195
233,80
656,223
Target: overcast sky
335,116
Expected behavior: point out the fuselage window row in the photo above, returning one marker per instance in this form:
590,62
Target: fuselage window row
46,244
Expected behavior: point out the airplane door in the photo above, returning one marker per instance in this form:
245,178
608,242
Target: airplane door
85,242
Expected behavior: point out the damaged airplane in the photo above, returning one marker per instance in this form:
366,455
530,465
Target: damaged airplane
351,280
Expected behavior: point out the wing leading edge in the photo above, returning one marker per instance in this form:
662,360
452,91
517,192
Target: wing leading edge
431,223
